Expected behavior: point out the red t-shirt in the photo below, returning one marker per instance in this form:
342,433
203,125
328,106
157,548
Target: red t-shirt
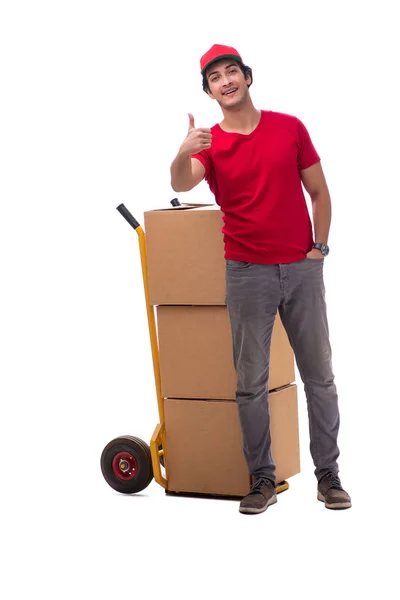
256,182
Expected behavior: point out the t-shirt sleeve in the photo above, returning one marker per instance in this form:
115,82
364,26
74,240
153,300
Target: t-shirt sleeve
307,154
205,160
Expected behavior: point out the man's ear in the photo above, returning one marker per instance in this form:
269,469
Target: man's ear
248,79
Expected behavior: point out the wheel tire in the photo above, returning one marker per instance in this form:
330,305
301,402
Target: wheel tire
136,455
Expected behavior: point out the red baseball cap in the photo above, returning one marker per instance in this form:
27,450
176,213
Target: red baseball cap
218,52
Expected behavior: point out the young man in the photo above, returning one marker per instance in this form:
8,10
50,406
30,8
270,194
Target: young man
255,162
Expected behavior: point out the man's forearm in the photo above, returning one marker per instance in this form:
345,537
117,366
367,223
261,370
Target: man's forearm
322,214
181,172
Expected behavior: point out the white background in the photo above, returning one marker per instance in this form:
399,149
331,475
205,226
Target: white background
94,102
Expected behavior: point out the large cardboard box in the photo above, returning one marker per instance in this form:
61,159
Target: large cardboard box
185,255
196,354
205,450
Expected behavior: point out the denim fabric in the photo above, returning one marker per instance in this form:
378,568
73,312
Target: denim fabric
254,295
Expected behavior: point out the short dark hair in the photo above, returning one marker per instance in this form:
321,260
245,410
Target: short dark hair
245,70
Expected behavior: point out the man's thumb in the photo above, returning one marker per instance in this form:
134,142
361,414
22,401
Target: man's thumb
191,121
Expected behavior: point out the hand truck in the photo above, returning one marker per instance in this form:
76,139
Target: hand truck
129,464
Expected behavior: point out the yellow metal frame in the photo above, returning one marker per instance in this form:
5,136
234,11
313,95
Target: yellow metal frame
158,437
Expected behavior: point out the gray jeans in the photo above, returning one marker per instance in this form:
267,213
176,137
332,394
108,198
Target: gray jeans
254,294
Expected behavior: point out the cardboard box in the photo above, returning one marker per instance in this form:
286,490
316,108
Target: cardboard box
185,255
205,450
196,354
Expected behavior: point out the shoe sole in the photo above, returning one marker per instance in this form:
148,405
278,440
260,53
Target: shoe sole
334,505
256,511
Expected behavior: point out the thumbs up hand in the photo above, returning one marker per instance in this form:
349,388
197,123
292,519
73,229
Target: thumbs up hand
196,139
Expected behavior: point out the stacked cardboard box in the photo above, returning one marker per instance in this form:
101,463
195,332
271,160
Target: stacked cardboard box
186,277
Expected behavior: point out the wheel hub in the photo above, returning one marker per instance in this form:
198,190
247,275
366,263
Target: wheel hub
125,465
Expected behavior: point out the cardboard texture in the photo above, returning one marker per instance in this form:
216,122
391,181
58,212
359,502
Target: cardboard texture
196,355
204,444
185,255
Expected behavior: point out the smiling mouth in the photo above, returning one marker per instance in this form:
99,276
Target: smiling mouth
230,92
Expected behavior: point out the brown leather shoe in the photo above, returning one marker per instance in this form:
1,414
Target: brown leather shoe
331,492
262,495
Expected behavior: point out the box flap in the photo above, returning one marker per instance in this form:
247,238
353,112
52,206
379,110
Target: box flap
183,206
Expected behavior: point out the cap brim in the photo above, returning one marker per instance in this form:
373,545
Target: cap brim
222,57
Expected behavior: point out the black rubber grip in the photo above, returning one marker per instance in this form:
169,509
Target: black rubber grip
128,216
175,202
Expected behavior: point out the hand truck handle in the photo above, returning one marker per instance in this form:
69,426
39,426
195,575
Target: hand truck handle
128,216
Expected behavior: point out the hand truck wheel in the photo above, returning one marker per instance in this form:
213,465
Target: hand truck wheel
126,464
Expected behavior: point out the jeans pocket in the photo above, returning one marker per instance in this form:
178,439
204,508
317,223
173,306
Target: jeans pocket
237,265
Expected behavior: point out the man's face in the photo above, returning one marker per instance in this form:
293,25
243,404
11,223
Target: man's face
227,83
